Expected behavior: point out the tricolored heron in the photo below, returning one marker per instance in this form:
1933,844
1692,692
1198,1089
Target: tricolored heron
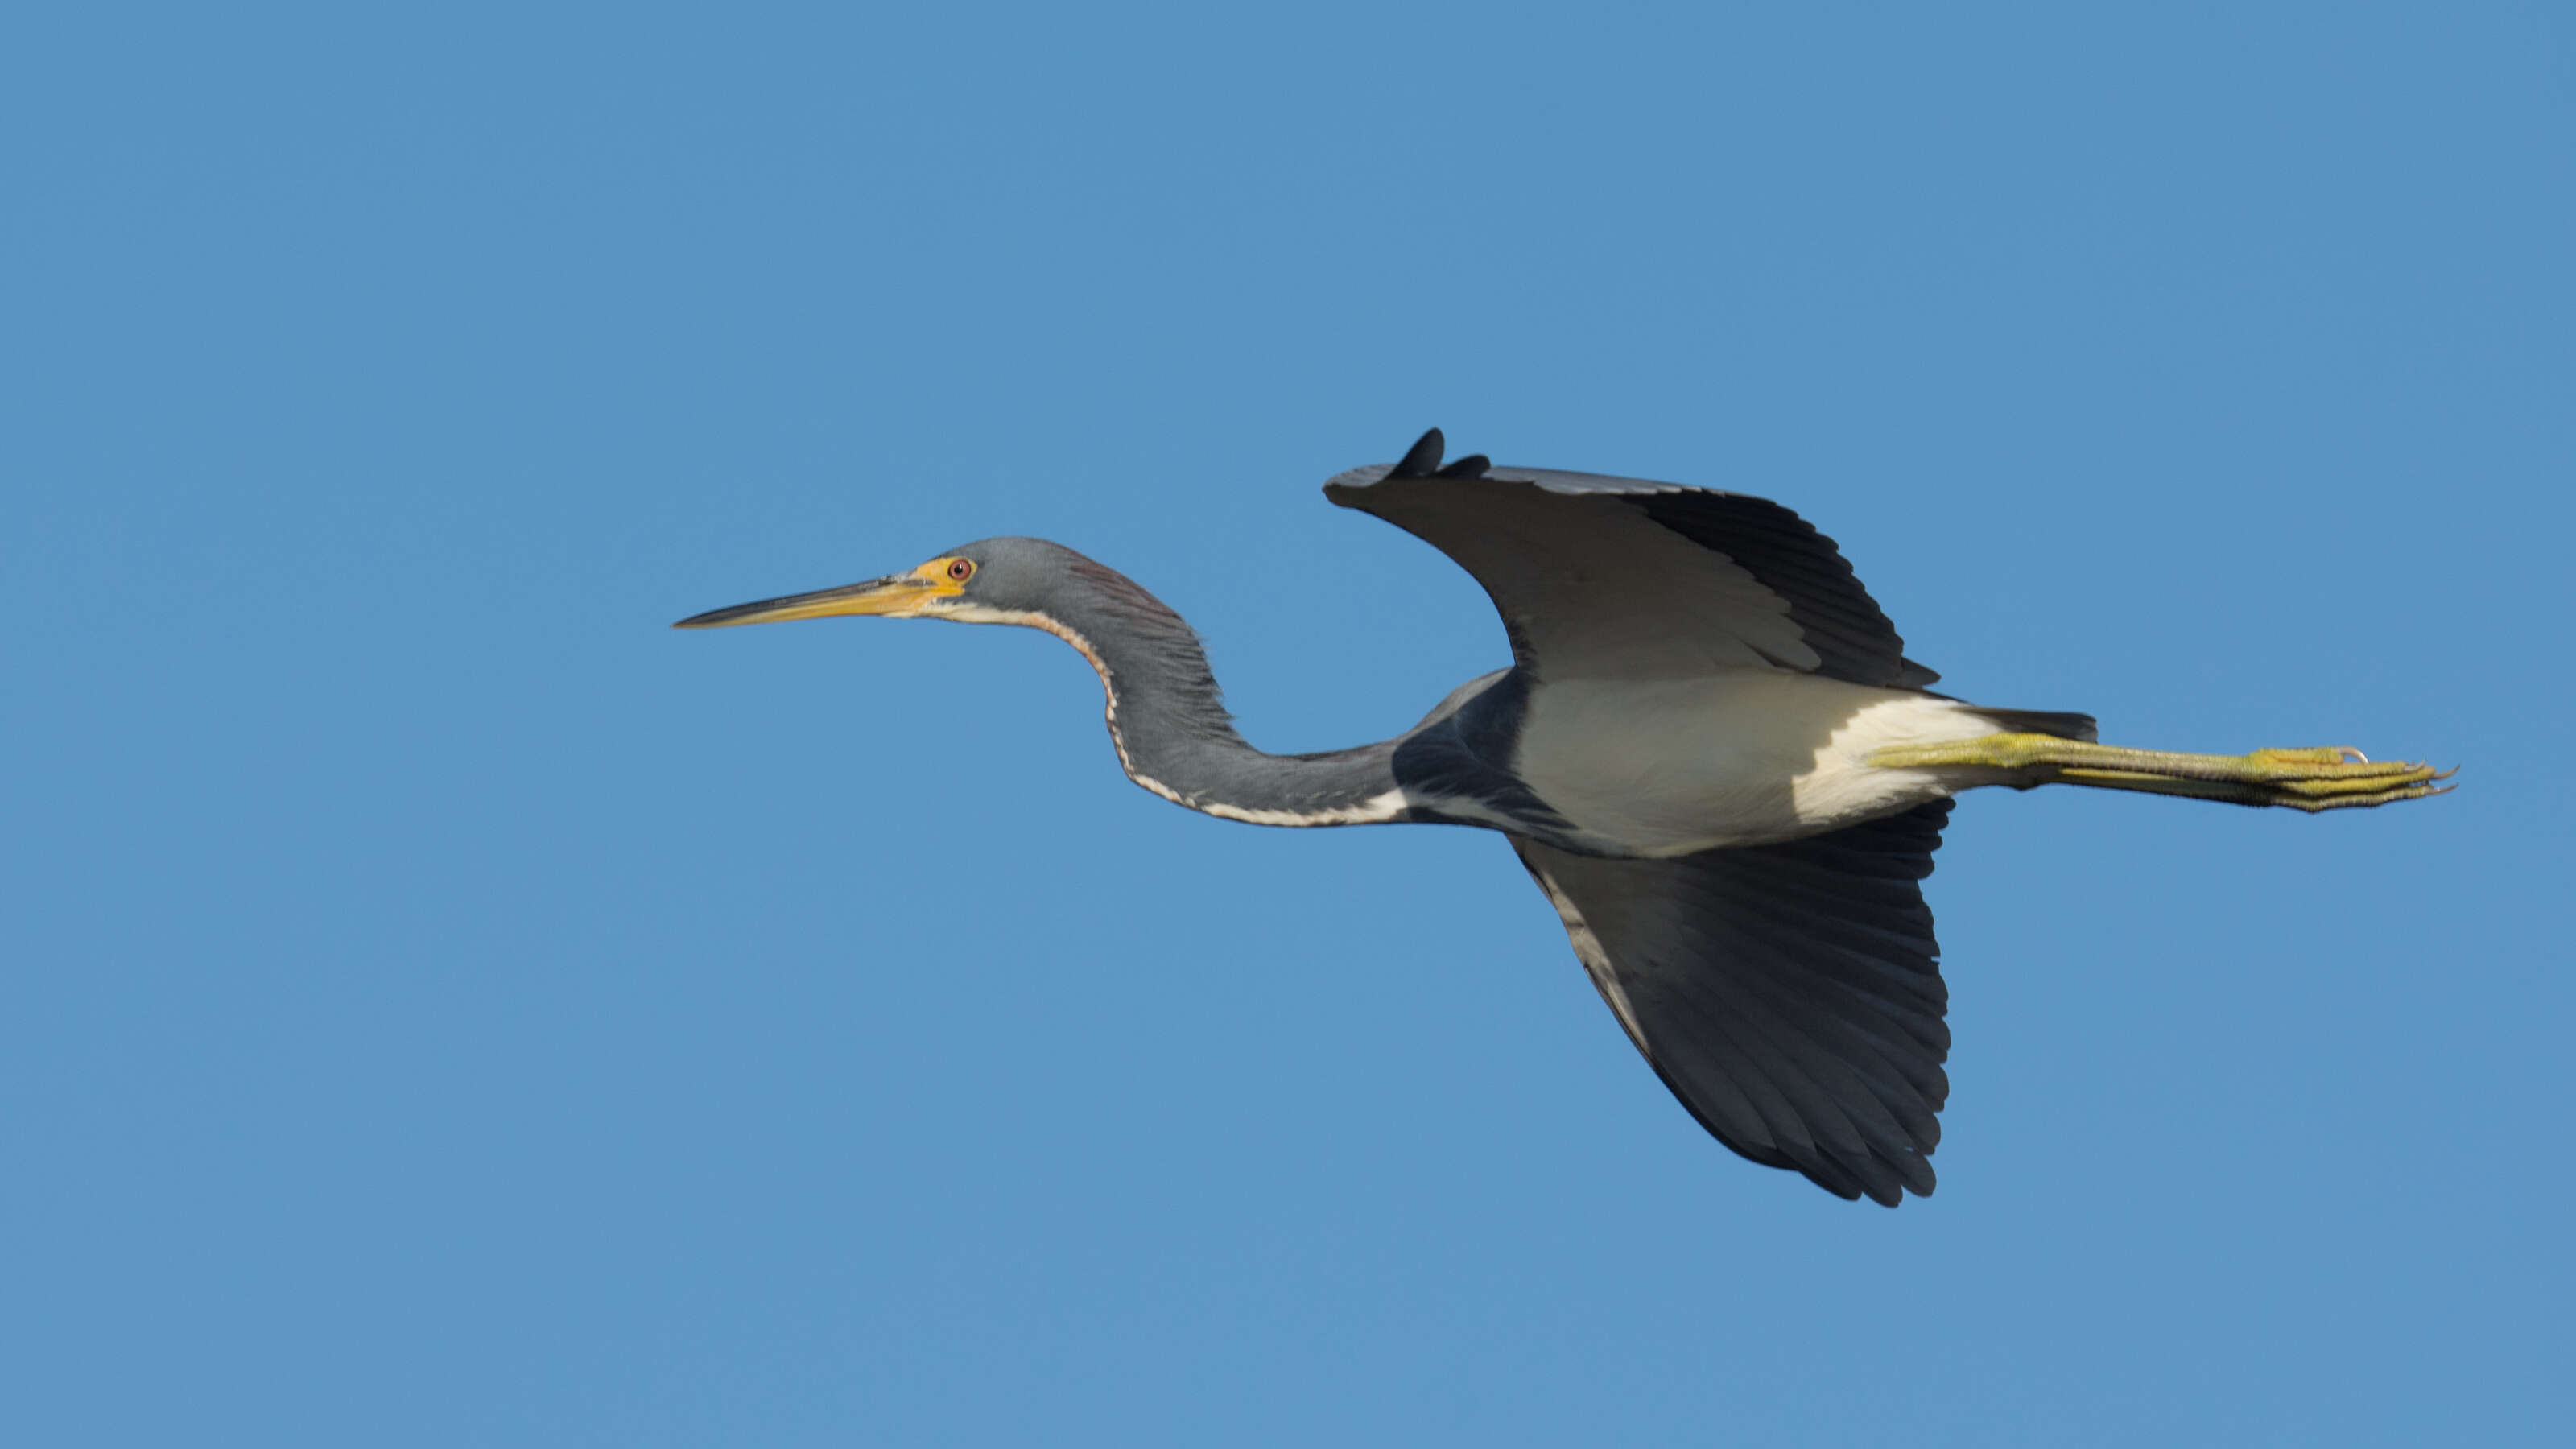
1709,750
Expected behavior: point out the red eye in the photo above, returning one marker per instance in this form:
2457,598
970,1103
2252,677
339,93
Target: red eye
961,569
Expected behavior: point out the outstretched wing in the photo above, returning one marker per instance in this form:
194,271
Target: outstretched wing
1790,995
1620,577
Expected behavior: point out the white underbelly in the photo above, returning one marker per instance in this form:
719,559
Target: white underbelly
1737,757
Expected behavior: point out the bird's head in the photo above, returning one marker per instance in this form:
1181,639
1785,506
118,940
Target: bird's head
1115,624
995,581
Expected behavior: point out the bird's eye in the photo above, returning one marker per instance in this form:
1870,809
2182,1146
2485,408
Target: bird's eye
961,569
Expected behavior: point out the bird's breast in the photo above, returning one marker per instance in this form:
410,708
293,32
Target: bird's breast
1734,757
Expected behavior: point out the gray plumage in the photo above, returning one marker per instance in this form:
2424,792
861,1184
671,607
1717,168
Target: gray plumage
1790,994
1710,751
1166,713
1558,533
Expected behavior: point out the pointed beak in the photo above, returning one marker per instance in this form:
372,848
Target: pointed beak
895,594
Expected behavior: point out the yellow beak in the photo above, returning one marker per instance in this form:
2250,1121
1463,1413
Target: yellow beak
894,595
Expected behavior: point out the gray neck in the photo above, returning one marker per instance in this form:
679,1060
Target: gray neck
1170,724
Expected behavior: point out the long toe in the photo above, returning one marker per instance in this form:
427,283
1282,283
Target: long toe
2336,778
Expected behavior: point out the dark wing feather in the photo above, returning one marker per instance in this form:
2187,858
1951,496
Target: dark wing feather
1790,995
1600,575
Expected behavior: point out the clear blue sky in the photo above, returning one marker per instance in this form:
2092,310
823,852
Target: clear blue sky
443,1006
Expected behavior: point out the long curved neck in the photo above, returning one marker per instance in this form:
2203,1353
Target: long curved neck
1170,726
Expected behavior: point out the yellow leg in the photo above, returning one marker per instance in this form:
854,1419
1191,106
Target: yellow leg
2331,778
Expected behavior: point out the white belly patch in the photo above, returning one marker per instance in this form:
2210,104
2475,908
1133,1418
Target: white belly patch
1736,757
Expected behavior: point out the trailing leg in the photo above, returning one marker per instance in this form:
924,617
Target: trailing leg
2328,778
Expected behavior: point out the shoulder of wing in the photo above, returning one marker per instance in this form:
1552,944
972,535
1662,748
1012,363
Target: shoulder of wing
1372,483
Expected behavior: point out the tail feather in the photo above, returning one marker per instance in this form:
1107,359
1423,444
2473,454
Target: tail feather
2064,726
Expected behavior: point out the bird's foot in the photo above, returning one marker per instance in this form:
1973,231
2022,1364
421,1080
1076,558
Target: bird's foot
2332,777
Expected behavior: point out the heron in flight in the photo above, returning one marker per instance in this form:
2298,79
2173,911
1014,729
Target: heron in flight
1709,750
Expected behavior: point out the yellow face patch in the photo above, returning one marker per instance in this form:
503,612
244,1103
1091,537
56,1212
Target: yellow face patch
945,576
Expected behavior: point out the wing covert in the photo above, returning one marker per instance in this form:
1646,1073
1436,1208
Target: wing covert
1602,576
